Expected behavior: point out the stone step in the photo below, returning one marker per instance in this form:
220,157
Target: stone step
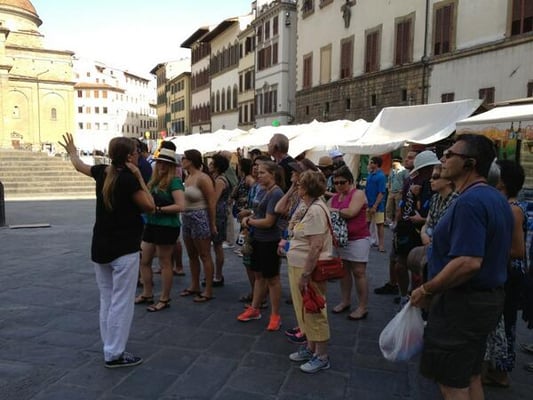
28,175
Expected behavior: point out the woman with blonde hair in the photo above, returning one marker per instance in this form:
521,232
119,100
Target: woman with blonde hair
162,229
121,197
198,224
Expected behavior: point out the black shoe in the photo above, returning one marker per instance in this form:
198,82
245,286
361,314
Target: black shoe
387,289
125,360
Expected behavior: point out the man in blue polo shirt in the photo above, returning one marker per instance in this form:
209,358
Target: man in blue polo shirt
468,268
376,186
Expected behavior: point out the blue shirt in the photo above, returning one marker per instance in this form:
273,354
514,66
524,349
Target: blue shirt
376,182
478,224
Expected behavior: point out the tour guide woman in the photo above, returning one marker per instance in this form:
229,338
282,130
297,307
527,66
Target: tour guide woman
311,241
121,197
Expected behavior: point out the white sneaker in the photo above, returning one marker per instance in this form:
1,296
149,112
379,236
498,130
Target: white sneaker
227,245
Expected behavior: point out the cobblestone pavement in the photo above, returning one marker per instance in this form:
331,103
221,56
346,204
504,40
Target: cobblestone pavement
50,346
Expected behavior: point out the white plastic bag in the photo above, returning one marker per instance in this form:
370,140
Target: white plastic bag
403,337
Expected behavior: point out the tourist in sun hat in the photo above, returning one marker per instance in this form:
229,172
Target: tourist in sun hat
162,228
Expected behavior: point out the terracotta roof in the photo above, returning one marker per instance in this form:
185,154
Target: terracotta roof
24,4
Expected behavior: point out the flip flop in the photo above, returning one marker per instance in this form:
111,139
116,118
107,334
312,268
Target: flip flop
189,292
200,298
336,310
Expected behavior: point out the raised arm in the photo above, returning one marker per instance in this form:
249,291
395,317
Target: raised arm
70,148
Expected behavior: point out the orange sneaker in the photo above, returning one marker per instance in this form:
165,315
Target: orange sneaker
249,314
274,323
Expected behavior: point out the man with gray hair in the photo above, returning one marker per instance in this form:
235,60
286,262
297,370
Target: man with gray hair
278,148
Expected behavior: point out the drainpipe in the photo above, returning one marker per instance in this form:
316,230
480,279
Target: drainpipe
425,59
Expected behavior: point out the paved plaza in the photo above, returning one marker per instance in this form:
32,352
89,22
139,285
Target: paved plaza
50,345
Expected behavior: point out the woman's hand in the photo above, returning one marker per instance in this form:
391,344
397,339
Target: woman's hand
303,282
134,169
243,213
68,144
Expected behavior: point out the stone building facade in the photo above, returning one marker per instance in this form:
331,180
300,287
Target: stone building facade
36,84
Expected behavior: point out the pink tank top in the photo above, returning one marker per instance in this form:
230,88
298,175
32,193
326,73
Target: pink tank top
357,226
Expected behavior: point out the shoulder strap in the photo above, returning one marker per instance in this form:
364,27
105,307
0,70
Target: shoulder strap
335,242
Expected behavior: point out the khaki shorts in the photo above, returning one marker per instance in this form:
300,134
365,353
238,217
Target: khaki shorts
378,217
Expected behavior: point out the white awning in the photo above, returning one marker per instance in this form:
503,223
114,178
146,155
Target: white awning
507,114
424,124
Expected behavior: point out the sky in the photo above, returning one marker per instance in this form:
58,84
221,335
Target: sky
134,35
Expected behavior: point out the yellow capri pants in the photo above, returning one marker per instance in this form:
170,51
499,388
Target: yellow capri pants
315,326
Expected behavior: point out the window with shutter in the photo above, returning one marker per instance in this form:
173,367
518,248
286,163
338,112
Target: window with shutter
307,71
372,52
274,54
522,17
403,42
443,29
346,58
487,94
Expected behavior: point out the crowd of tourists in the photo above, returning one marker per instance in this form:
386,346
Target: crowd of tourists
458,249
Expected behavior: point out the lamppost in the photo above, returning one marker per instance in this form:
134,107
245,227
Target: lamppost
39,105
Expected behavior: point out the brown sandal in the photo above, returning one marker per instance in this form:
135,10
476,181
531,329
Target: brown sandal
144,299
160,305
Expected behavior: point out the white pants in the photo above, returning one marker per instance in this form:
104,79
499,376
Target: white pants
117,282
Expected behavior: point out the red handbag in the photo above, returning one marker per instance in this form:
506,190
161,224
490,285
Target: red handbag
331,268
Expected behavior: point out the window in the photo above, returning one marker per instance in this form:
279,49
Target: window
530,89
88,125
443,28
372,51
53,114
105,110
228,98
80,110
104,94
308,7
522,17
275,24
373,100
97,110
87,110
306,110
267,30
80,125
307,71
325,64
97,126
274,54
487,94
447,97
88,93
346,58
403,50
96,94
80,93
259,33
348,104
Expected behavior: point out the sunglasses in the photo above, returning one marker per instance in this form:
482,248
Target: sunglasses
339,182
449,154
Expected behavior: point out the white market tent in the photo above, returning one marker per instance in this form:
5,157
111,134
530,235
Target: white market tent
424,124
499,118
392,129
